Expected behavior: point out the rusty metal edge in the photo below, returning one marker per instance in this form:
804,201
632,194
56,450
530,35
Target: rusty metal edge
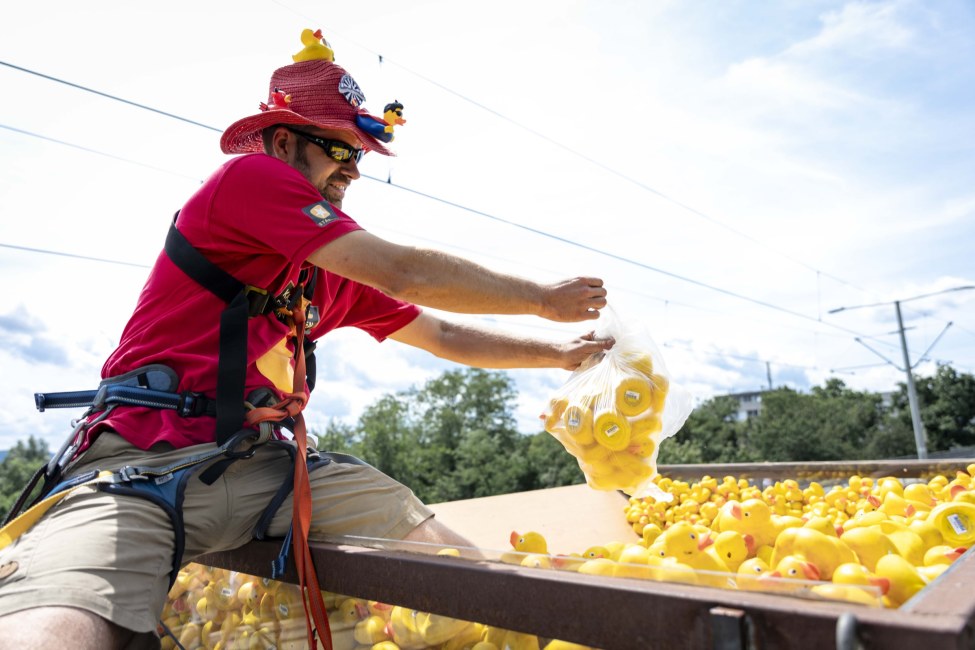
610,613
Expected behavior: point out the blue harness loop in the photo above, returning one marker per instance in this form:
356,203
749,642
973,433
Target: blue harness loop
165,485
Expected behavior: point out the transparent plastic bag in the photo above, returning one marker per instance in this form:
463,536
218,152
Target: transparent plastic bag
614,411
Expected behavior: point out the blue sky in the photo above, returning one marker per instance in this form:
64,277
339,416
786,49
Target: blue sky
733,170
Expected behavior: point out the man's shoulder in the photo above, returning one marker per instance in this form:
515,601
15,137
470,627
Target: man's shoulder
257,164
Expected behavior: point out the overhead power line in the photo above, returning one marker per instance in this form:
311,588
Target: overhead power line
113,97
536,133
74,256
582,156
558,238
95,151
387,182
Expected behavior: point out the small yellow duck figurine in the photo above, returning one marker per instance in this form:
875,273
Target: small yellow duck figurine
393,114
316,47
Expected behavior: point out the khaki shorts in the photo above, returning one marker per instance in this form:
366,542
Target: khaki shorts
112,555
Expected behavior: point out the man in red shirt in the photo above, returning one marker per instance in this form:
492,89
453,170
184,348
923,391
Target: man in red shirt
97,563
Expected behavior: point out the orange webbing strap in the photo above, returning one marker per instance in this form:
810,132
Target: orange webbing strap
316,617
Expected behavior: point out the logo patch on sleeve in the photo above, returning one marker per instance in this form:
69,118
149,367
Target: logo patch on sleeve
321,213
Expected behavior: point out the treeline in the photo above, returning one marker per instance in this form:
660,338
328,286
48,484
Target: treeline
831,422
455,437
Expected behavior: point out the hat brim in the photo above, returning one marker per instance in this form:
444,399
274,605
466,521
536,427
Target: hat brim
244,135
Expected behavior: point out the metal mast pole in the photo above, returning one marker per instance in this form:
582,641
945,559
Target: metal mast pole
922,447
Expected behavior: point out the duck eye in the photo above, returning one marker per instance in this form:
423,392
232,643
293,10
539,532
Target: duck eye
757,569
692,536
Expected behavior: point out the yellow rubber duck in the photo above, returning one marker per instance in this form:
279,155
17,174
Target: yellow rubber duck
754,517
870,544
370,630
684,542
750,572
854,573
349,612
466,639
909,544
530,542
849,593
316,47
556,644
905,581
519,641
730,548
942,554
824,551
633,563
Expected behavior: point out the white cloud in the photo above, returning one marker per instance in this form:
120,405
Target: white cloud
823,150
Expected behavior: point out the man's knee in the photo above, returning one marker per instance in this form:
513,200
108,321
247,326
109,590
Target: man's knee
59,627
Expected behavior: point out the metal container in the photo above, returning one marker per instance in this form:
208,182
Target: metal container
613,613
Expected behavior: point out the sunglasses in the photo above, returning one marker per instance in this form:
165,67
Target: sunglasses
337,150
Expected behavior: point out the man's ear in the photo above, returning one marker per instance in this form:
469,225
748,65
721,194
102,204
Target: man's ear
281,143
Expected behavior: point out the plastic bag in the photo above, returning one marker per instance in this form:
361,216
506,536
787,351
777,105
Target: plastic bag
614,411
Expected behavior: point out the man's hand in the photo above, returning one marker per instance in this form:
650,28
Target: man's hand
573,300
579,350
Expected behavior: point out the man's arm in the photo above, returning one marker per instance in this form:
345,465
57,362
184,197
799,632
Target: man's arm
485,348
443,281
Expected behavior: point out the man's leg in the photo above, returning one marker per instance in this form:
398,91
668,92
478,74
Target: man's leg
60,627
433,531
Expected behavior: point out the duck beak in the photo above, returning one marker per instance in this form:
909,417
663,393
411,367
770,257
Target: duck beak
883,583
704,542
514,538
736,511
810,571
749,544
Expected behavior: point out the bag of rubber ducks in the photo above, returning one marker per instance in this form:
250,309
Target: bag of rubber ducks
614,411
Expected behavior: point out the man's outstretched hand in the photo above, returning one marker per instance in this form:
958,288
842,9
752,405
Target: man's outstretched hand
573,300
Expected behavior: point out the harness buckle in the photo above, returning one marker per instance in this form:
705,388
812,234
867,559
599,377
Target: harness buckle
257,300
129,473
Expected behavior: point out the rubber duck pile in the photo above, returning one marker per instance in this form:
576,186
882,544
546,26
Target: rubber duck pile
867,541
613,428
218,609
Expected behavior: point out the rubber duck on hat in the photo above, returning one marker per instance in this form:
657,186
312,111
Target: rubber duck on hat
312,91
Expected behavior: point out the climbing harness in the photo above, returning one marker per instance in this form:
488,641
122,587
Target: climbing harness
239,421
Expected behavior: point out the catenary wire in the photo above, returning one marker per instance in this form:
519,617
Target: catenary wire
474,211
578,154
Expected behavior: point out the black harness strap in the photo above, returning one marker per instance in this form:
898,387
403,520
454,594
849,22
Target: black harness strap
243,301
232,362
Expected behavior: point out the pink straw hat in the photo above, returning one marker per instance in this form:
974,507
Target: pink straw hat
311,93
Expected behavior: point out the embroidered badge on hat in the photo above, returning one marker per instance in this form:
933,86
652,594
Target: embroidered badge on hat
350,90
321,213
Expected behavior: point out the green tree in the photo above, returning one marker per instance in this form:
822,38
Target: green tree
549,464
17,468
453,438
833,422
339,437
947,408
711,434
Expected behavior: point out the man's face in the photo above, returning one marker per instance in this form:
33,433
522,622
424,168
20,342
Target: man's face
330,178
